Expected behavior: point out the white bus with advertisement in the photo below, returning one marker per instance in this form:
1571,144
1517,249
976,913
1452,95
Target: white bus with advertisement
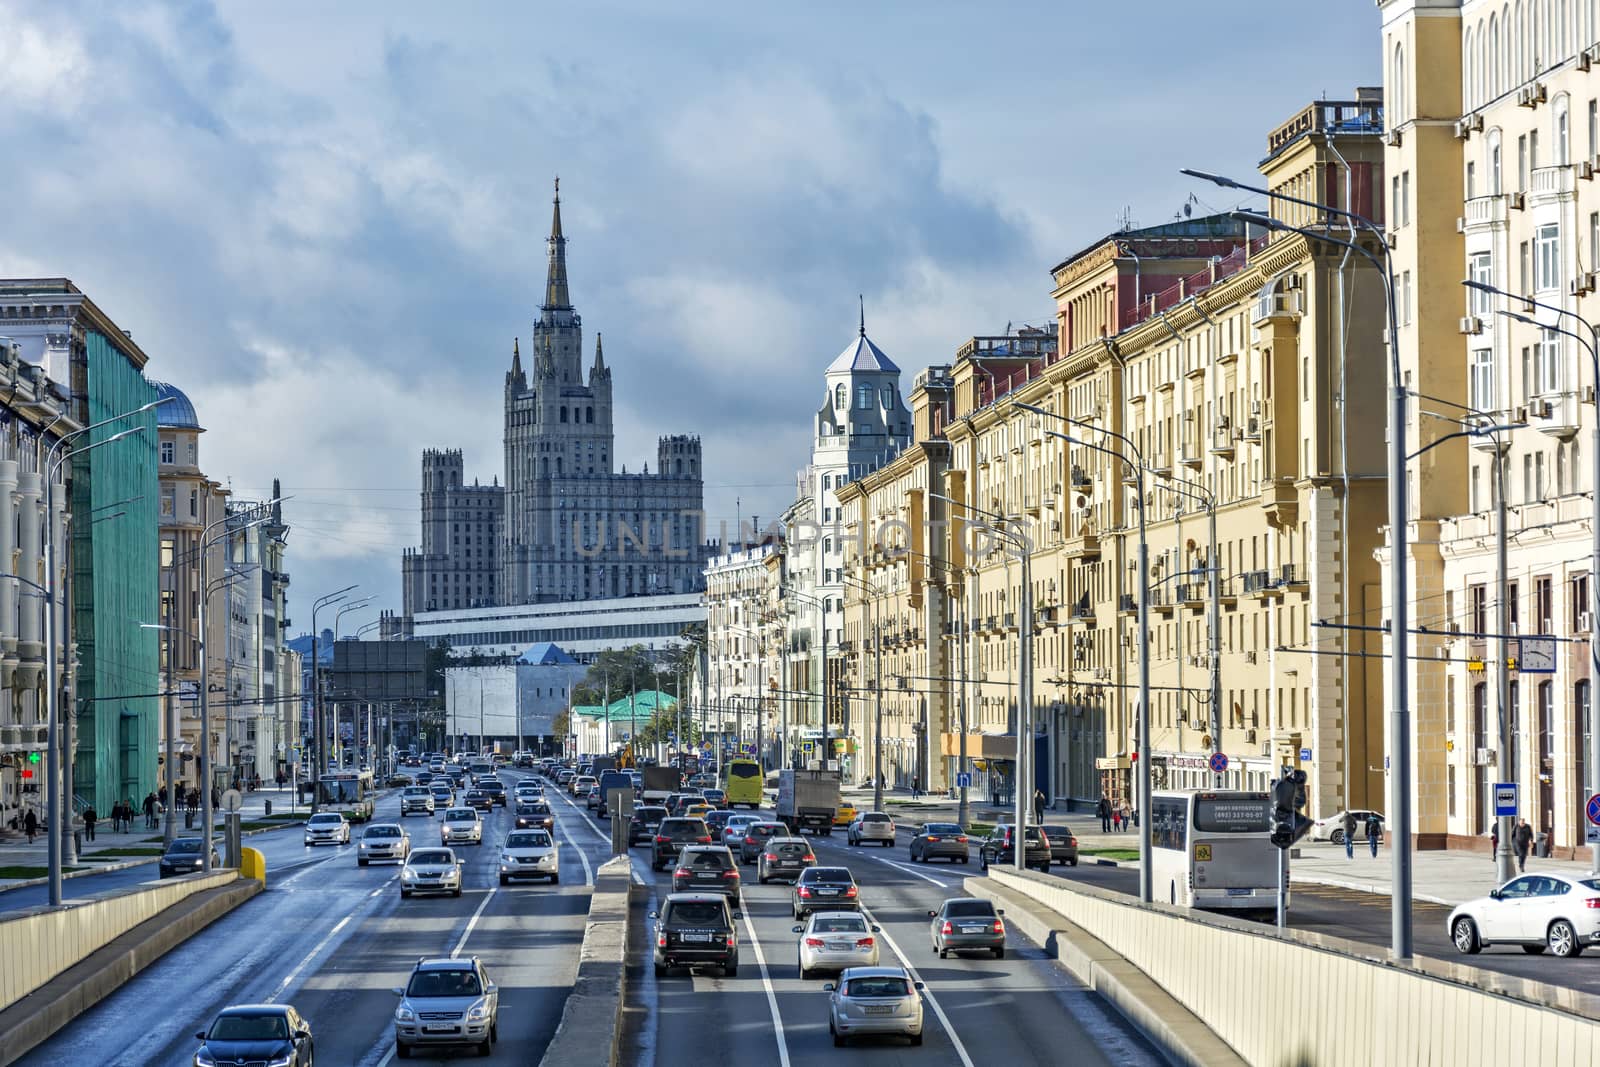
1213,849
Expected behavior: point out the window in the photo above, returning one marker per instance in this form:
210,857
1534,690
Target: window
167,452
1472,179
1405,298
1543,601
1480,387
1495,185
1478,609
1594,128
1522,163
1578,600
1547,242
1480,268
1526,255
1561,146
864,397
1549,362
841,397
1405,198
888,398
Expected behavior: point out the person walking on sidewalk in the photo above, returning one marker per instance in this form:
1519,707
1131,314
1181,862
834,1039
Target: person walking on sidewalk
1348,826
1374,831
89,818
1103,809
1522,842
1116,817
30,825
1125,818
1038,805
150,811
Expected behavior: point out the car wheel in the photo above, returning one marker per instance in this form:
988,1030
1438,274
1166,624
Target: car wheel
1563,940
983,861
661,970
360,862
1464,934
485,1048
944,953
504,880
838,1038
457,892
1337,837
888,843
916,1038
730,970
1000,953
965,859
761,878
555,879
1533,950
1073,862
405,894
402,1050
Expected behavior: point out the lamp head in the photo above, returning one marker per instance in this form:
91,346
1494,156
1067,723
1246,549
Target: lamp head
1255,218
1214,179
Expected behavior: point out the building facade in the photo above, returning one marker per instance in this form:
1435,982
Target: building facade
744,686
583,629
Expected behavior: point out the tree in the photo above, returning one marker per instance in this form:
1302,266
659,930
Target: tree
664,723
616,673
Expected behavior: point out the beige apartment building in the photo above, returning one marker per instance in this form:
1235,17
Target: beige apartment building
1494,117
744,672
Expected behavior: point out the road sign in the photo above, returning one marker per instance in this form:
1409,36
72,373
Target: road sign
1218,762
963,780
232,800
189,692
1591,835
1505,799
1592,809
808,747
1305,755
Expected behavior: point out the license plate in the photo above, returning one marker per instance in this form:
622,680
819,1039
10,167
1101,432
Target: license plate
1241,892
827,892
880,1009
972,929
697,937
840,946
438,1029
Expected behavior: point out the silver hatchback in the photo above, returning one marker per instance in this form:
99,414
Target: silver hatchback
874,1001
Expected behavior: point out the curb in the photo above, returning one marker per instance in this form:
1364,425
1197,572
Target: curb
124,865
1367,887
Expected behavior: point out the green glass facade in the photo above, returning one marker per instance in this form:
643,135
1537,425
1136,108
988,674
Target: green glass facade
114,577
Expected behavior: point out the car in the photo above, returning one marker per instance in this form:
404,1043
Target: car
496,790
672,835
940,840
327,828
784,857
591,797
834,941
824,889
997,848
415,800
717,820
456,773
676,802
431,870
706,869
714,798
423,778
844,814
530,854
444,795
1559,913
697,930
968,924
257,1033
528,787
756,836
733,829
874,1000
871,826
461,824
478,800
642,826
580,785
534,815
1332,828
1063,844
447,1002
564,776
383,841
185,856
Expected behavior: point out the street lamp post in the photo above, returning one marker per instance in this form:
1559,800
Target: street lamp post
1214,569
319,735
821,603
170,829
877,684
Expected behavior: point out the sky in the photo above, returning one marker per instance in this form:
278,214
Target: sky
326,223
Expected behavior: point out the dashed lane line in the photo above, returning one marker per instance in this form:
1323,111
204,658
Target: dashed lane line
772,996
927,992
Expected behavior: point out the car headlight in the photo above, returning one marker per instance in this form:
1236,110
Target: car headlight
478,1012
404,1014
203,1059
281,1060
407,875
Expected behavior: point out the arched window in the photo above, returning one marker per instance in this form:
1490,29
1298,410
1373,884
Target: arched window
841,397
1492,163
1397,90
1492,64
1467,100
1562,138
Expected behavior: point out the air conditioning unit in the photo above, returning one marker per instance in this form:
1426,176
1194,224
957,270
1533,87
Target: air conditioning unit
1255,407
1592,53
1531,95
1252,429
1584,61
1586,170
1461,224
1249,737
1539,409
1484,757
1583,283
1516,201
1585,622
1249,657
1222,424
1392,138
1471,324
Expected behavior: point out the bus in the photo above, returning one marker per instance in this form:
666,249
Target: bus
1213,849
348,792
742,780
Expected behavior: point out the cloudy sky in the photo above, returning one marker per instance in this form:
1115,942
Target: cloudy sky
326,222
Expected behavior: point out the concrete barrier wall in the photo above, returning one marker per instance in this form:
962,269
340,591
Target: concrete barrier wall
1298,998
39,943
590,1031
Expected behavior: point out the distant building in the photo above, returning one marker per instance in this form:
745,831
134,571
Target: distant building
546,675
582,629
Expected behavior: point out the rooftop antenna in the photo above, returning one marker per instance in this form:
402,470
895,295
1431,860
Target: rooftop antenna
863,302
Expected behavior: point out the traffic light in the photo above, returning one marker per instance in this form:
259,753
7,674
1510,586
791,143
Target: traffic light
1288,796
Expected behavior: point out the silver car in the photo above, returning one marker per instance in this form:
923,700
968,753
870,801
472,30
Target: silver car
416,800
383,841
871,826
835,941
447,1002
431,870
733,829
327,828
968,924
461,824
874,1000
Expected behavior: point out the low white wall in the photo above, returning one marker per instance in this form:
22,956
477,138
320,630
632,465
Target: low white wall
40,943
1297,998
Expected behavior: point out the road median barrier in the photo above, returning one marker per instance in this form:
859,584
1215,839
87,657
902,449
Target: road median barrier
595,1005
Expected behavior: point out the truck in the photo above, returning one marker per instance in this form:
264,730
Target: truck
600,764
807,800
502,748
660,783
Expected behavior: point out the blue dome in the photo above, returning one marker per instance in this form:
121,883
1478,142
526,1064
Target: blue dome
177,412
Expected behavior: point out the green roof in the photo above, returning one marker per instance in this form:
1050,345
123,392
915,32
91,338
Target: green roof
642,705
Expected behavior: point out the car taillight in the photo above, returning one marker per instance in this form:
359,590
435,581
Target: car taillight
704,840
1592,902
810,858
850,892
770,857
999,927
864,942
962,839
814,942
730,940
933,839
681,872
730,873
947,928
660,839
750,841
661,940
805,891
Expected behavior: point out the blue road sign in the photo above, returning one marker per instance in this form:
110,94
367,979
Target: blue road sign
963,780
1505,799
1218,762
1305,755
1592,809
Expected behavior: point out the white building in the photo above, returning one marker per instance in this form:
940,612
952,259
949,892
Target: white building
744,674
583,629
480,705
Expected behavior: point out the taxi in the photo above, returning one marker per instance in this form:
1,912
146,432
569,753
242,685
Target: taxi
844,814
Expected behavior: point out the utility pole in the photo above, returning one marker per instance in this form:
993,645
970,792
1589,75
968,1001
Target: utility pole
961,702
877,713
1503,769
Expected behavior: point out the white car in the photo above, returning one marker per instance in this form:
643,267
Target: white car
835,940
581,784
383,841
871,826
1332,828
327,828
431,870
461,824
530,854
874,1000
1537,911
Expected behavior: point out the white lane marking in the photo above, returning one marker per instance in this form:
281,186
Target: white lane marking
772,996
913,871
927,992
588,872
473,922
320,945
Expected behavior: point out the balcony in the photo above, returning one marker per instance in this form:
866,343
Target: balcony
1279,500
1190,455
1083,609
1222,436
1192,594
1552,183
1083,545
1288,574
1010,622
1127,604
1484,212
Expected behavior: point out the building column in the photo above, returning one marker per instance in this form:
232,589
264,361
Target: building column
30,644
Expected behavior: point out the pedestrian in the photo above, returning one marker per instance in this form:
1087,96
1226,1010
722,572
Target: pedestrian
116,816
1522,842
150,811
1038,805
1126,816
1116,818
216,799
1103,809
89,818
1347,826
30,824
1374,831
1494,842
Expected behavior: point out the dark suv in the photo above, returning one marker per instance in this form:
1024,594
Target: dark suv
824,889
706,869
495,788
642,827
671,836
696,930
998,848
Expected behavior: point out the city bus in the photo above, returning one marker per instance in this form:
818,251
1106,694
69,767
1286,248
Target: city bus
348,792
742,780
1213,849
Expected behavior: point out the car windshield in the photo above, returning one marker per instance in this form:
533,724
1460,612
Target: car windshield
528,839
876,987
793,848
250,1028
444,984
382,831
826,874
710,861
941,828
874,816
433,856
325,820
1053,832
766,829
184,844
648,814
966,909
695,913
461,816
833,922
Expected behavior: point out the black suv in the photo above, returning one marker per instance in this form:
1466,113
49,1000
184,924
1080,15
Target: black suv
642,827
534,815
997,848
696,930
495,788
671,836
825,889
706,869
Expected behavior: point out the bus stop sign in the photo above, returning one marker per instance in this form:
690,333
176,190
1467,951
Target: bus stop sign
1505,799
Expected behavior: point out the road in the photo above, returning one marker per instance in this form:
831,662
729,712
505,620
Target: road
333,938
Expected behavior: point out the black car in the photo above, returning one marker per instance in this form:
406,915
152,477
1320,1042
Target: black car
672,835
706,868
756,836
1063,845
185,856
642,827
784,857
495,788
534,815
940,840
477,798
824,889
998,848
257,1033
696,930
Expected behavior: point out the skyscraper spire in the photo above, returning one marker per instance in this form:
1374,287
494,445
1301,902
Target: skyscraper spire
599,357
555,286
516,358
